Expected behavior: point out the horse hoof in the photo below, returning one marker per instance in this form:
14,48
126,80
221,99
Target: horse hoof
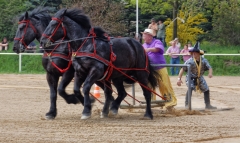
148,117
113,112
84,117
48,117
103,115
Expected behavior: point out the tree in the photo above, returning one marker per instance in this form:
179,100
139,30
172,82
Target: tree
108,14
9,11
226,25
187,31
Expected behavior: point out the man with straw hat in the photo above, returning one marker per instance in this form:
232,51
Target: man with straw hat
155,50
198,66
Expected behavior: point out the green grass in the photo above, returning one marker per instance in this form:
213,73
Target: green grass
222,65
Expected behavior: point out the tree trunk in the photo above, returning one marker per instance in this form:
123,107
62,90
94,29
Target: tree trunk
175,11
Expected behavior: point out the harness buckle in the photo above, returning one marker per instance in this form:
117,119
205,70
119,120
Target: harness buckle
49,57
73,55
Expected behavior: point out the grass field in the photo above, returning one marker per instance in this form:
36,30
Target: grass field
222,65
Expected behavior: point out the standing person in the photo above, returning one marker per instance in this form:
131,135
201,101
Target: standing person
186,53
198,66
154,26
177,43
190,45
4,44
161,32
175,59
155,50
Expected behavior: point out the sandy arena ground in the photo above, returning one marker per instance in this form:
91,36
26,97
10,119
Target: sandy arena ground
25,100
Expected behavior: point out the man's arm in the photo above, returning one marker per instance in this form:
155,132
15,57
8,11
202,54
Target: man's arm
210,73
152,49
179,82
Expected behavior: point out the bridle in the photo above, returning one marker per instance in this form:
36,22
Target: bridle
51,53
60,22
28,23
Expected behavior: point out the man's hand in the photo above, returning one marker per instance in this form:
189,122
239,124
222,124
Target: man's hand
147,50
179,82
210,75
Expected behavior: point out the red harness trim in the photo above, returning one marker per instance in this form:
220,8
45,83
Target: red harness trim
28,22
51,54
68,58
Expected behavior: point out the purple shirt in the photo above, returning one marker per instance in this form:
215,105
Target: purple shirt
156,57
175,50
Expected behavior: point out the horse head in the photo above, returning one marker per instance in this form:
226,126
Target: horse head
30,26
66,23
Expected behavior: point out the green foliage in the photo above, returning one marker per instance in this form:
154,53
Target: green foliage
226,26
9,11
104,13
187,31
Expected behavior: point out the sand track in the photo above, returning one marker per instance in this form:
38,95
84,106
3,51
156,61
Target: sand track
25,100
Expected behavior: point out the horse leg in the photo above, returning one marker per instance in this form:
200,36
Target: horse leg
143,79
53,83
77,85
118,83
66,79
108,99
87,100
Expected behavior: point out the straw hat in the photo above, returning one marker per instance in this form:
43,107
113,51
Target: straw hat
148,31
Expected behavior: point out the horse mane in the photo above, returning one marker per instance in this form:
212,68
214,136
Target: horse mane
100,33
39,13
78,16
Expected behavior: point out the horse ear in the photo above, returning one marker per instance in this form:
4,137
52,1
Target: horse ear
64,12
26,15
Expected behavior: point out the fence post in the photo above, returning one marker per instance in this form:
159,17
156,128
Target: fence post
20,62
189,88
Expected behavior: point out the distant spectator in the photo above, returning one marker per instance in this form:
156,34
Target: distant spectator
175,59
190,45
186,53
4,44
161,32
178,44
154,26
31,48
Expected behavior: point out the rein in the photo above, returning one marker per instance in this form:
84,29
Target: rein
28,22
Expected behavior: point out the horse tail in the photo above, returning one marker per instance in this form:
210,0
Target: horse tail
153,76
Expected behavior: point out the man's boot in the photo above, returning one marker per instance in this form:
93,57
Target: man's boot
207,101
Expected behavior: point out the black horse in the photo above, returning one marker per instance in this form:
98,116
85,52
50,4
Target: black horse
97,57
56,61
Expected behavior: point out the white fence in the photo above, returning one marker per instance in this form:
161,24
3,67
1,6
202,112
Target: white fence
34,54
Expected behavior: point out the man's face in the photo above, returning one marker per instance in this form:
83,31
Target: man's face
147,38
196,54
